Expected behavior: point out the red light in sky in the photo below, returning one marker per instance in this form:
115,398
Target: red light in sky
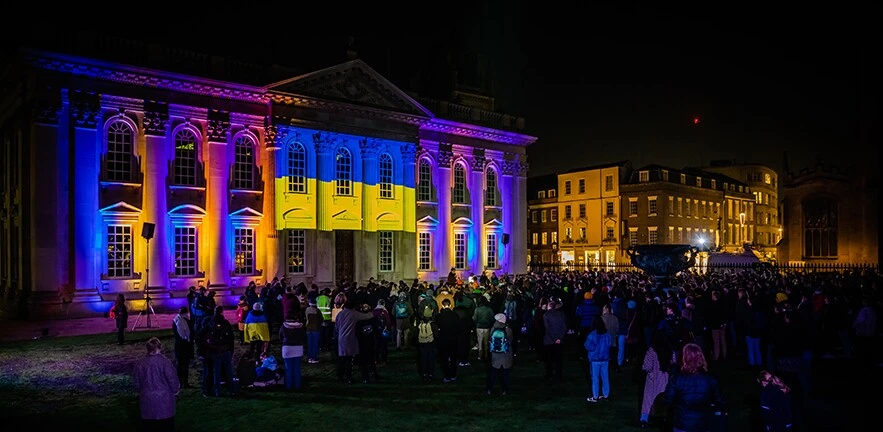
695,120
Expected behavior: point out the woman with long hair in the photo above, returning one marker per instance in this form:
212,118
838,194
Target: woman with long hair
657,364
692,392
775,403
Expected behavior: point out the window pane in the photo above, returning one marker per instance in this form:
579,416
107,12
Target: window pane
386,251
119,251
424,185
296,250
185,251
185,157
243,239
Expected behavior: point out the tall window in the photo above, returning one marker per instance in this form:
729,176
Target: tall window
386,258
671,206
385,176
424,251
243,251
344,172
185,251
567,214
243,164
652,236
544,238
820,228
296,250
459,184
554,237
567,187
608,183
608,208
582,233
120,144
460,251
490,194
119,251
424,181
582,186
492,250
652,205
633,238
297,168
543,217
533,216
582,211
535,239
633,208
568,233
610,234
185,157
554,215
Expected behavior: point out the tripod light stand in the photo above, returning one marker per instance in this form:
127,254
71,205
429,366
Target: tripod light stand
146,232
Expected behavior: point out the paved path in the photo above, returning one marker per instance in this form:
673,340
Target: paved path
12,330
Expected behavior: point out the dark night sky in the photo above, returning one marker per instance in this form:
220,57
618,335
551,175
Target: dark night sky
596,83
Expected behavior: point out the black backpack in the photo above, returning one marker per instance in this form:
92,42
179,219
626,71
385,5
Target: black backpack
216,337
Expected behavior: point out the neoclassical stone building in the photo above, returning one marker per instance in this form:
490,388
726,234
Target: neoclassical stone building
331,176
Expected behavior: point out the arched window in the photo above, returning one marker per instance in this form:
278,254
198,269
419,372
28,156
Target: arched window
385,176
424,181
490,193
120,145
820,228
185,157
297,168
344,169
243,164
459,195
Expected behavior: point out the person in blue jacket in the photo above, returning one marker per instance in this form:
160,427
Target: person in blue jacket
598,344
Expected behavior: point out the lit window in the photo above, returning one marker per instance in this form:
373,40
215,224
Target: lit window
543,218
424,251
633,207
683,179
554,236
608,183
386,179
120,144
554,215
582,186
243,251
344,172
567,187
119,251
386,251
608,208
297,168
582,233
582,211
610,234
297,244
460,251
541,195
767,178
424,181
652,204
243,164
568,233
534,238
544,238
185,251
633,237
185,158
459,184
644,176
652,236
551,193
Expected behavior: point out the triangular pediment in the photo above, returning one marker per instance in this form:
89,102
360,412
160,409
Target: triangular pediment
352,82
120,207
246,212
493,223
427,221
344,215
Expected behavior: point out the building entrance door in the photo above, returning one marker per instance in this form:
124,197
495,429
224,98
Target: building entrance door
343,256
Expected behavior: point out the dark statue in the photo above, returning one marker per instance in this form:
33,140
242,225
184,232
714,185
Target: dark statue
662,261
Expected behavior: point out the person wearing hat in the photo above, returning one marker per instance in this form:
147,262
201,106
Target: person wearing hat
257,331
502,357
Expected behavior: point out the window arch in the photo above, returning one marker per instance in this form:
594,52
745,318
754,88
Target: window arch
459,193
297,168
186,145
820,228
386,177
243,163
344,172
120,147
424,180
490,193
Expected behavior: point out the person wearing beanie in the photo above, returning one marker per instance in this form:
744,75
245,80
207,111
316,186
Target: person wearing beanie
257,331
292,334
502,357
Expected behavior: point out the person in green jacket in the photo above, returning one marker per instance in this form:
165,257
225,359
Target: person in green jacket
484,320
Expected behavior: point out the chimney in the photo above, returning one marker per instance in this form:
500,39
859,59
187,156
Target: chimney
351,53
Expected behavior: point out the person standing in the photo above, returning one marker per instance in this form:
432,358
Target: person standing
220,343
555,325
183,345
157,385
293,334
313,327
323,303
657,364
692,392
502,357
347,342
404,314
483,316
449,333
598,344
775,403
121,318
427,333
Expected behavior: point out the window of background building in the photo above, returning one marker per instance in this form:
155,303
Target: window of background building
386,176
652,235
297,250
554,236
541,195
582,233
568,234
714,184
633,207
297,168
543,216
680,235
491,250
582,211
551,193
185,157
533,216
644,176
243,163
820,217
688,208
119,251
671,205
582,186
534,238
683,179
633,237
608,208
767,178
554,214
766,199
344,172
567,213
386,251
424,251
671,234
243,251
608,183
460,251
567,187
651,202
610,234
424,187
699,181
664,175
185,251
544,238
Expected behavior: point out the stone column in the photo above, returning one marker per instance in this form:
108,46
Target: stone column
274,139
443,238
324,255
87,238
155,209
217,202
477,235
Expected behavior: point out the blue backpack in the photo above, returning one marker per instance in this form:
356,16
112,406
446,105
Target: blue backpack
499,341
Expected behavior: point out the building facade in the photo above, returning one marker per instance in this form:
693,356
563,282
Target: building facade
121,179
589,215
764,184
542,223
663,205
830,216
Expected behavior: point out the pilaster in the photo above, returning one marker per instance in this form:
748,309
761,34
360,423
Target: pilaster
217,206
84,109
273,141
155,207
369,147
324,145
477,258
409,201
443,240
48,173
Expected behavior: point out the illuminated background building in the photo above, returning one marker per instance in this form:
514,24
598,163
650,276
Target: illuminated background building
542,224
331,176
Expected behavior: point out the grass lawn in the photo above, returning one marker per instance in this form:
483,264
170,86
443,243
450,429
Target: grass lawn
85,381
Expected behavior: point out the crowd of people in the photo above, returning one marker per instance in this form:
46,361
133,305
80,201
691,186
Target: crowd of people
775,323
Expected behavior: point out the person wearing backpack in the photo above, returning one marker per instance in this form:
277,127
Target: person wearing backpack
403,313
483,317
427,332
502,357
